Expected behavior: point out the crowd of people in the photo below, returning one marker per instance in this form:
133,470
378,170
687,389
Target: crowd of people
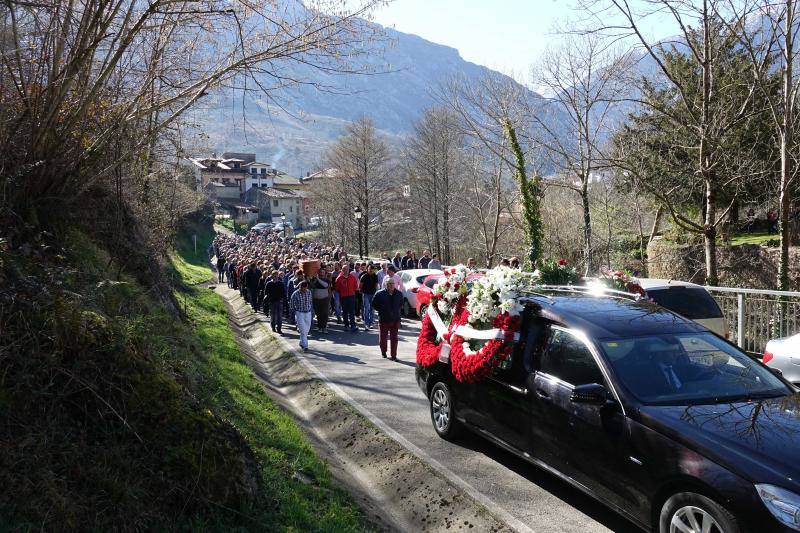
267,271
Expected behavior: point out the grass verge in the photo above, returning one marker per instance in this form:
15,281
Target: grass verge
283,455
116,414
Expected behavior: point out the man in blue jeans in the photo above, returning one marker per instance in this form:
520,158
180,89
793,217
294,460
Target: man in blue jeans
346,285
368,283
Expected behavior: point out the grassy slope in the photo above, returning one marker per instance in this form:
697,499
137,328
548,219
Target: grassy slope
232,391
115,415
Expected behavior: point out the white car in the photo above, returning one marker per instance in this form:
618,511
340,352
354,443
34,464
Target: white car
261,226
412,281
690,300
784,355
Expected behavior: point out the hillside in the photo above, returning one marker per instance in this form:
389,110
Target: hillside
295,137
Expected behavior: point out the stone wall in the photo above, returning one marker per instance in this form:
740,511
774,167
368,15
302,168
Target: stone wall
746,265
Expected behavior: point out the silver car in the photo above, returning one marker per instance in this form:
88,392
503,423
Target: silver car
784,355
691,300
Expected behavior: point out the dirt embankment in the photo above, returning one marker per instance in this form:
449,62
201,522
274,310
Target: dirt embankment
396,489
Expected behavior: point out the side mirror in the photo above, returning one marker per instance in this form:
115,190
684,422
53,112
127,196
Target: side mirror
591,393
776,371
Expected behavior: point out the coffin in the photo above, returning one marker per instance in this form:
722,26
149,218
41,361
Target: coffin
310,267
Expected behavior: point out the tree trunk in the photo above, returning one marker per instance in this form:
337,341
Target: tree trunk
587,227
710,236
785,206
787,138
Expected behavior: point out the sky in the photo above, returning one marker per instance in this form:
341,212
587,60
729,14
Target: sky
504,35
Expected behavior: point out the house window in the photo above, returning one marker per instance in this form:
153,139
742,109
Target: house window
263,170
290,209
275,203
254,170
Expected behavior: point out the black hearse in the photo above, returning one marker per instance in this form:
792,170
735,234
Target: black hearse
648,412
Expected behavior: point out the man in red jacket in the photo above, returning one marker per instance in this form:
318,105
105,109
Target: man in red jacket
347,285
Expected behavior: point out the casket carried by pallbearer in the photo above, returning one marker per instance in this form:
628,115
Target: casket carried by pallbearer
310,267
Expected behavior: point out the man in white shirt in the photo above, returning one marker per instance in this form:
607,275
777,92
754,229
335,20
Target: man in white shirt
392,274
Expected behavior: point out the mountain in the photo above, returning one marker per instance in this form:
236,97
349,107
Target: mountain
293,133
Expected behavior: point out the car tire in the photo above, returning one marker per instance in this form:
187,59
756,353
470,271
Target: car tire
692,510
443,412
406,308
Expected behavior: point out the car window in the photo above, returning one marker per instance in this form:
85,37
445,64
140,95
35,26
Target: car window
695,303
420,279
405,277
431,282
685,368
566,357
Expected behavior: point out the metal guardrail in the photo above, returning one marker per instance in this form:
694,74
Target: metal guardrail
755,316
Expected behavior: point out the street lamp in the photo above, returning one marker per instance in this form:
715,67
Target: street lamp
358,213
283,220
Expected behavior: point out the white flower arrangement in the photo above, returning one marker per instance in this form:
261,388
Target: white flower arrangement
495,294
450,289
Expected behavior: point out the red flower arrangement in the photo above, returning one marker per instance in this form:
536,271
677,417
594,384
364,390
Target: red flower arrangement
427,348
473,366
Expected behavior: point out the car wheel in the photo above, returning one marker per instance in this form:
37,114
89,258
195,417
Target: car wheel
443,413
406,308
688,511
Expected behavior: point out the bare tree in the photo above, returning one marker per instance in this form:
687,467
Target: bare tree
362,159
585,80
88,87
433,161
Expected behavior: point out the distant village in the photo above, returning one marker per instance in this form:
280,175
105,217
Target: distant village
251,191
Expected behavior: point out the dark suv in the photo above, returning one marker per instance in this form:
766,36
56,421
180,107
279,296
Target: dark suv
652,414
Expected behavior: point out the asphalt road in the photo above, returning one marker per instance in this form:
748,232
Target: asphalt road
389,392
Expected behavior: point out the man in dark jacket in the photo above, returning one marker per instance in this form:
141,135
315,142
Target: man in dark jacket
251,278
388,302
274,295
220,268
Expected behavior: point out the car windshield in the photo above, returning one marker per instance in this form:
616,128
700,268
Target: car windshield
689,368
695,303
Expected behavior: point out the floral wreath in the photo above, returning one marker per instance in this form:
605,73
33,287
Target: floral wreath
472,330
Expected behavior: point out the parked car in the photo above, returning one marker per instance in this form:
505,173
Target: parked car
650,413
784,355
412,281
279,227
261,226
690,300
426,290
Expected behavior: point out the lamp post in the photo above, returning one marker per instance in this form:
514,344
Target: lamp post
283,220
358,213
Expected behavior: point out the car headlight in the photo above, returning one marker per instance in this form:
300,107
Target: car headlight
783,504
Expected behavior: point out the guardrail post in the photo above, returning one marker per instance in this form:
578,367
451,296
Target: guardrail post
740,320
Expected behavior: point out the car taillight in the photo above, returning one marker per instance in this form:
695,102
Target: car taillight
767,357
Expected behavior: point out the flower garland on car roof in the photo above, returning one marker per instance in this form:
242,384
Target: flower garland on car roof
621,280
478,329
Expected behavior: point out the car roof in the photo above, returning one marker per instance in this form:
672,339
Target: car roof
656,283
603,317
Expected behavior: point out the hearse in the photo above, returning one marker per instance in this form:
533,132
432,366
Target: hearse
650,413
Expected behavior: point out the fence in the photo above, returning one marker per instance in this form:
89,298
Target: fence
755,316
